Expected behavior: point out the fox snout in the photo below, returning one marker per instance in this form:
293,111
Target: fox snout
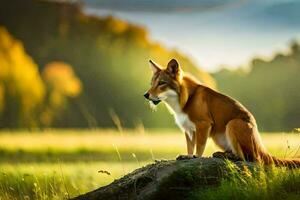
147,96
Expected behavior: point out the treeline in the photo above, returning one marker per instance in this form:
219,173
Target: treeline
76,70
62,68
29,98
270,89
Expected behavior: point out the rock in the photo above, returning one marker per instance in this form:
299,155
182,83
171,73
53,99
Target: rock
168,179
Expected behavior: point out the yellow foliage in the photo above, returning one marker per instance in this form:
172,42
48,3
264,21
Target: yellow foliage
19,74
116,25
61,78
61,82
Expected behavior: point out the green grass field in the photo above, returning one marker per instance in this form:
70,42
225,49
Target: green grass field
57,164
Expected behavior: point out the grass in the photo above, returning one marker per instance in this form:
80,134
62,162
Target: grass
275,184
58,164
99,145
57,180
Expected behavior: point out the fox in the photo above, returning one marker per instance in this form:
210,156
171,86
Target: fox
202,112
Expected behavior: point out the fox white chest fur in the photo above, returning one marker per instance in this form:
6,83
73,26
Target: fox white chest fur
182,120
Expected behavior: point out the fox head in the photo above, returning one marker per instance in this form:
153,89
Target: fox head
165,83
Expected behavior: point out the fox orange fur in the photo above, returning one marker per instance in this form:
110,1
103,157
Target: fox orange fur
202,112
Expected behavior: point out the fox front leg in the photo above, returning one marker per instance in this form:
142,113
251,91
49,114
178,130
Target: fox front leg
199,140
203,129
190,144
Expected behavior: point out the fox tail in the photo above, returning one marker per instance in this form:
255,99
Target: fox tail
289,163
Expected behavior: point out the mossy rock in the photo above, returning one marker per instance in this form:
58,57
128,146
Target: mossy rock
169,179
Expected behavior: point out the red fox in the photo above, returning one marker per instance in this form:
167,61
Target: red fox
202,112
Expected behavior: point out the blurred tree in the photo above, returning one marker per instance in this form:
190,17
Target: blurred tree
109,56
270,89
62,84
21,88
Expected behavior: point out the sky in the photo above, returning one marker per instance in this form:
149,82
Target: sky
213,33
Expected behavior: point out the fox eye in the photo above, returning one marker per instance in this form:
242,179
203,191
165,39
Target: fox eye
162,82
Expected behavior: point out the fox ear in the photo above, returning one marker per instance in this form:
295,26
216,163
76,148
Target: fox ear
173,67
155,67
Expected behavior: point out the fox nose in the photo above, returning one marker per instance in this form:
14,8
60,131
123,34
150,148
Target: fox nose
146,95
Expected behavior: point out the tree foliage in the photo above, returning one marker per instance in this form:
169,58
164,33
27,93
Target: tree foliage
21,88
270,89
62,85
109,56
